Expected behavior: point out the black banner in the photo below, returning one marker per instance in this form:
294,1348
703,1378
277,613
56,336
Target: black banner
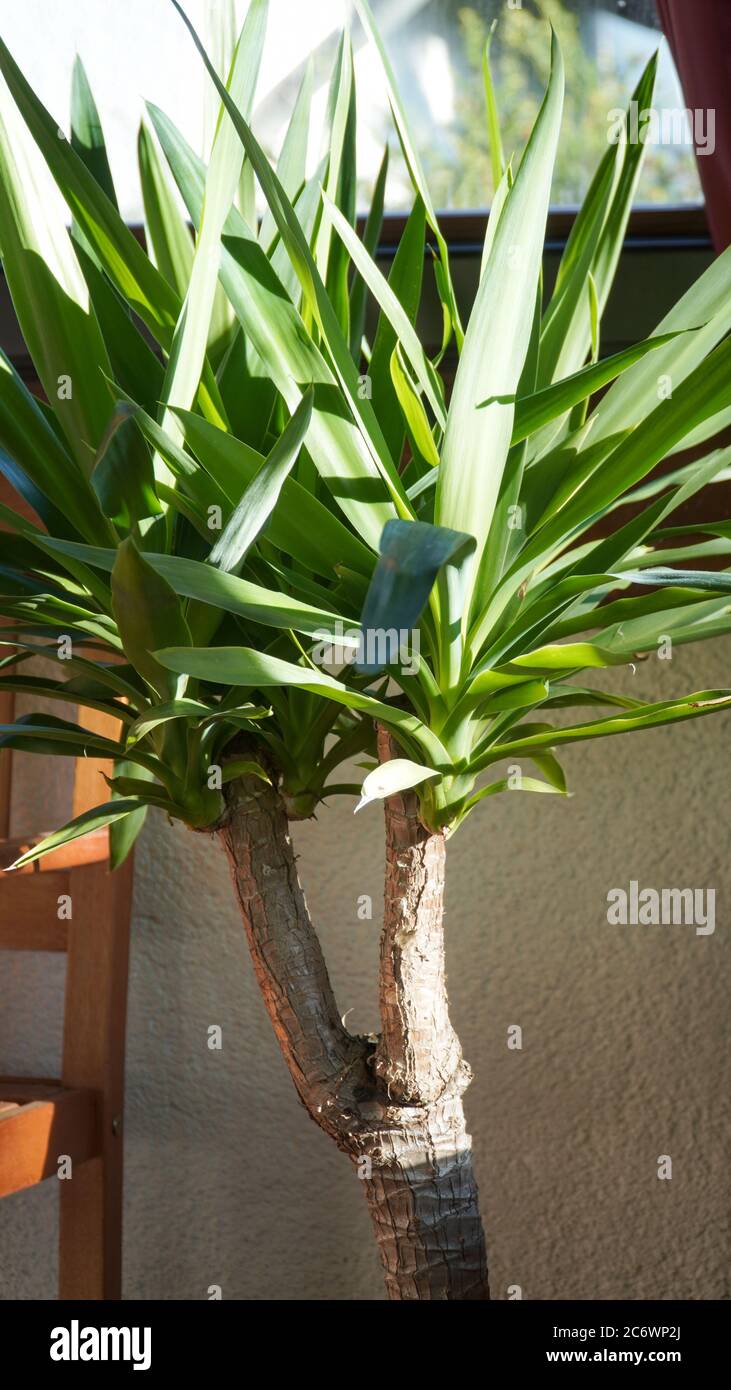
195,1338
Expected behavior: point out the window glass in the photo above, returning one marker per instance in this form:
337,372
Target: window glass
437,50
139,49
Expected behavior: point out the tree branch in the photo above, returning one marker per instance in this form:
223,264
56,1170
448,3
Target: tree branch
285,950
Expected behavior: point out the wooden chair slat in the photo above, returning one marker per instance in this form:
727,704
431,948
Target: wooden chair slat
35,1135
28,914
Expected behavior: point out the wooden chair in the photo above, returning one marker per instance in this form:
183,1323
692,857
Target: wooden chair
79,1115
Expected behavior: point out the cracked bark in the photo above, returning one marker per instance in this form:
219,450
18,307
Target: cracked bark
286,954
394,1106
423,1194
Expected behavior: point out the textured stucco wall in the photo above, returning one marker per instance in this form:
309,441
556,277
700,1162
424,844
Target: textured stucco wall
625,1044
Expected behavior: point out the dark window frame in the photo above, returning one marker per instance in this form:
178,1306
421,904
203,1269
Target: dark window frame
663,227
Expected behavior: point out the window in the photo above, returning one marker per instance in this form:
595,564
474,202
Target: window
437,46
137,49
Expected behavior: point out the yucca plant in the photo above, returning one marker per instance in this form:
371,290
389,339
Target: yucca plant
227,499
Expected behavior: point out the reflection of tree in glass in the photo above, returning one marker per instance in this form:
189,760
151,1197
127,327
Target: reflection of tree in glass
520,71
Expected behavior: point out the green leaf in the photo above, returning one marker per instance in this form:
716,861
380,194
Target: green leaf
117,248
412,555
293,154
240,369
191,579
635,394
548,764
122,478
194,710
717,424
315,293
67,691
136,368
533,412
497,158
495,213
340,99
416,174
243,767
682,579
371,237
333,442
44,509
31,452
632,459
81,825
168,236
124,832
528,692
277,333
611,242
486,682
242,666
190,340
649,717
417,424
262,494
566,331
87,136
393,309
302,526
222,31
590,260
248,392
43,733
396,775
112,676
506,784
477,441
49,293
148,613
404,281
683,616
565,656
568,696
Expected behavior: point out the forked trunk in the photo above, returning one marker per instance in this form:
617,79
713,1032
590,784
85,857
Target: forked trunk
394,1107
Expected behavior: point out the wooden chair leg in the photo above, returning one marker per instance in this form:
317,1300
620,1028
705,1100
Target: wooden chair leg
90,1254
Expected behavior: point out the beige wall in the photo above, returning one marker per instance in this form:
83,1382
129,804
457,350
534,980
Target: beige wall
625,1042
